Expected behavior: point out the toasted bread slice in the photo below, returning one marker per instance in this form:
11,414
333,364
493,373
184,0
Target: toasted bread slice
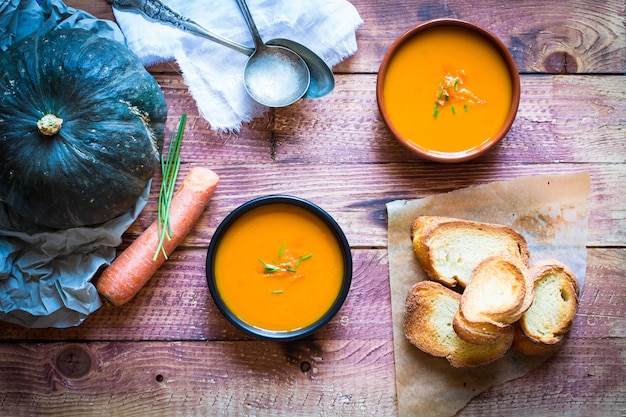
429,312
499,291
554,306
479,333
449,249
529,347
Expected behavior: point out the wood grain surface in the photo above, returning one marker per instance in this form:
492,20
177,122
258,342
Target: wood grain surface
169,352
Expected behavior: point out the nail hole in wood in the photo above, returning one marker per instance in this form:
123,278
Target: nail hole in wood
159,378
305,366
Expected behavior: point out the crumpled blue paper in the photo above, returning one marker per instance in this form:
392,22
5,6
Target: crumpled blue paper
45,275
21,18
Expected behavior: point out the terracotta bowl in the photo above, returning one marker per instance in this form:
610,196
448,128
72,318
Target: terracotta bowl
415,137
332,301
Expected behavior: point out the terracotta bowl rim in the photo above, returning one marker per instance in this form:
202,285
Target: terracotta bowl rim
462,156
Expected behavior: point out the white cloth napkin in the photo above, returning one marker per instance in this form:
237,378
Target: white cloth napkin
214,73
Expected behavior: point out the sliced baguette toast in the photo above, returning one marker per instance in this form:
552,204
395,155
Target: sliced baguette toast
479,333
449,249
499,291
529,347
543,326
429,311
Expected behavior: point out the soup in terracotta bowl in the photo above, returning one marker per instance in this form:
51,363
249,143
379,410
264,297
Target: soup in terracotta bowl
448,90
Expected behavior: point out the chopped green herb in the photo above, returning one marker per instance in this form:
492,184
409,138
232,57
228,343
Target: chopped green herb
303,258
271,267
277,291
456,84
436,113
465,108
277,266
281,250
453,110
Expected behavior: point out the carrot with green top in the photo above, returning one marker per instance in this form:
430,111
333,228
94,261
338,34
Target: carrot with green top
132,269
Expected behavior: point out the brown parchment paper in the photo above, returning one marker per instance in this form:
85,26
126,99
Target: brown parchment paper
551,211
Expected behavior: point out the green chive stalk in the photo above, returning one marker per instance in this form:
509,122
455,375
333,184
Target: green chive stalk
170,166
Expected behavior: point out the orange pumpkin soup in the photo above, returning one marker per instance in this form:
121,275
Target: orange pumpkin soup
278,268
447,89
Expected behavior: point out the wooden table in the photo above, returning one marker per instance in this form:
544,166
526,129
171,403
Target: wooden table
170,352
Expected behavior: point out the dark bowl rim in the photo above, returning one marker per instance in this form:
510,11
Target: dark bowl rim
450,157
312,208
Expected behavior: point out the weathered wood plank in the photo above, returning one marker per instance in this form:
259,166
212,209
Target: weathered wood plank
176,305
100,8
585,380
543,36
356,194
338,377
554,123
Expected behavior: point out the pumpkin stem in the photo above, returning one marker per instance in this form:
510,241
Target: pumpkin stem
49,124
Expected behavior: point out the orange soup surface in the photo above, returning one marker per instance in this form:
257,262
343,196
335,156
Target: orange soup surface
447,90
279,268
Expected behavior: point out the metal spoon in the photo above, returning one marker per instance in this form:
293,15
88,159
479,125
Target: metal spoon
274,75
322,80
157,11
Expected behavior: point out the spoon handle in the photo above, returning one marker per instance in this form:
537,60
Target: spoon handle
250,22
157,11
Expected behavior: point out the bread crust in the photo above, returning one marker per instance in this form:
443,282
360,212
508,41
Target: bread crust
552,312
429,312
502,301
538,269
479,333
529,347
498,293
428,235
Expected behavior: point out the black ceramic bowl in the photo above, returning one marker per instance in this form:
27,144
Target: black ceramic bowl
277,335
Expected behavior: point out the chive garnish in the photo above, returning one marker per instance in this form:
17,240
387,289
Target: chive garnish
456,84
453,110
277,291
465,107
436,112
303,258
170,166
271,267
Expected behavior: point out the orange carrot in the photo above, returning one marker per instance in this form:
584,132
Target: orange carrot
130,271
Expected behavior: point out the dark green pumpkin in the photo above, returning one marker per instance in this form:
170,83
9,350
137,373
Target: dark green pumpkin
111,113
